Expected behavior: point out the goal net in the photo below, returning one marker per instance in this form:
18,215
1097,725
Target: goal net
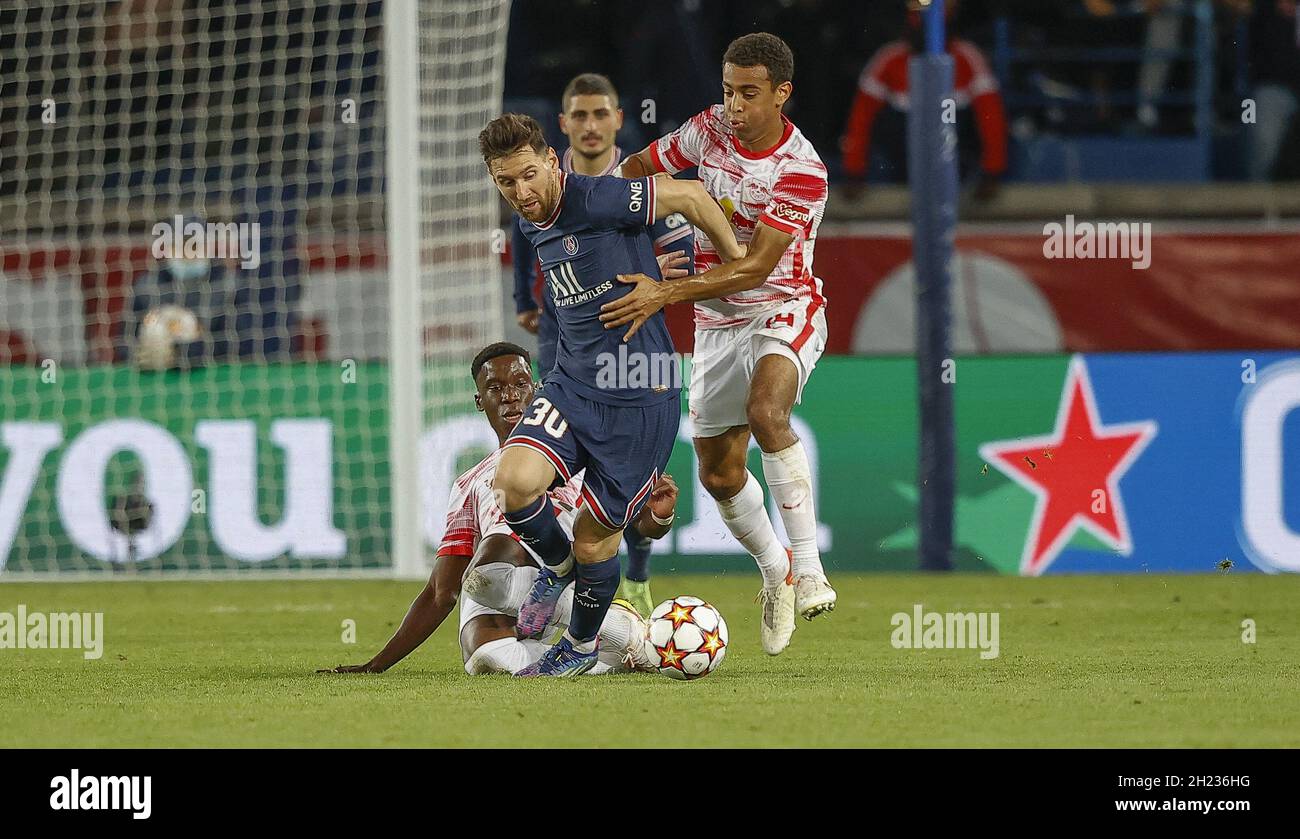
246,254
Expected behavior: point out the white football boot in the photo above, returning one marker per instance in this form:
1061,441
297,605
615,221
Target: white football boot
812,596
776,614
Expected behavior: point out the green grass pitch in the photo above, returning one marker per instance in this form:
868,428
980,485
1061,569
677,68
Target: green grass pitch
1084,661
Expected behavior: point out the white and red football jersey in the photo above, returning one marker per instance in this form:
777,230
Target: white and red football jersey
473,513
783,187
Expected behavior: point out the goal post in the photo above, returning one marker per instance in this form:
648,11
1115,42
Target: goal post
405,335
171,405
445,63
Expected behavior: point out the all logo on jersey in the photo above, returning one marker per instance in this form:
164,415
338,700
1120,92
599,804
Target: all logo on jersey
570,243
566,288
564,282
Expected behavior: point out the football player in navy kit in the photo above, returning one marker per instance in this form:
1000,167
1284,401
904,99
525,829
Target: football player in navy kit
608,406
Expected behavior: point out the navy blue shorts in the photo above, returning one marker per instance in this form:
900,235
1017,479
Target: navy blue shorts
623,448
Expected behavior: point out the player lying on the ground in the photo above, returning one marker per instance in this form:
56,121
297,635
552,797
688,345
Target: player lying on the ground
760,323
476,529
597,412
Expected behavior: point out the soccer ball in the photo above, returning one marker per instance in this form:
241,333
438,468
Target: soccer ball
687,638
162,328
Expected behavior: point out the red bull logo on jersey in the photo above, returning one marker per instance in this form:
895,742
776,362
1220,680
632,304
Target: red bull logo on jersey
755,192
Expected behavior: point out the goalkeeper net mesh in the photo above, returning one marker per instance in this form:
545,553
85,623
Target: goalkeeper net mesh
195,283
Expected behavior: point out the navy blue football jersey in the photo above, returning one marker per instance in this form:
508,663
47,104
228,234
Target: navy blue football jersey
598,230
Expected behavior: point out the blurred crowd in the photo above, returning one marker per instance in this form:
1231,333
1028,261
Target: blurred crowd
1126,68
233,104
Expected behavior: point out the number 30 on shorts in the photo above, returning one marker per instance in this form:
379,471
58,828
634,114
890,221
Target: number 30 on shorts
548,417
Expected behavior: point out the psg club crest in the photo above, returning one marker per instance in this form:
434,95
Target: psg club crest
570,244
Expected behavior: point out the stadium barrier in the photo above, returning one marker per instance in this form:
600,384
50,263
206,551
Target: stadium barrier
1173,463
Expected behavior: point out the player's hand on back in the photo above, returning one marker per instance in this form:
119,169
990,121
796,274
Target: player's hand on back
529,320
635,307
670,265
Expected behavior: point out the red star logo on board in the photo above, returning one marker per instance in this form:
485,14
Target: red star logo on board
713,643
679,614
670,656
1078,486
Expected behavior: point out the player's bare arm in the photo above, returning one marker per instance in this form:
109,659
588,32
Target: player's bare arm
638,165
689,198
429,609
649,296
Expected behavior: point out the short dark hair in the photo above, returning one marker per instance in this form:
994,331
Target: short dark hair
588,84
496,350
507,134
762,49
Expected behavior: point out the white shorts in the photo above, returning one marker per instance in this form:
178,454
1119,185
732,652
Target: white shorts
724,360
470,609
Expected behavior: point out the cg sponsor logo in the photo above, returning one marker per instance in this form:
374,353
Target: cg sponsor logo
794,214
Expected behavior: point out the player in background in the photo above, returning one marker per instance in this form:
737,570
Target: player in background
609,407
884,82
760,324
477,536
591,118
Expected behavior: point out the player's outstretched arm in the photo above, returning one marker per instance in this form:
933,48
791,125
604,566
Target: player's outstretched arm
656,517
649,296
638,165
429,609
689,198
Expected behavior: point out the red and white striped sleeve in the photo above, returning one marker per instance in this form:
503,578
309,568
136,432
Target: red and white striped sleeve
797,197
684,147
461,535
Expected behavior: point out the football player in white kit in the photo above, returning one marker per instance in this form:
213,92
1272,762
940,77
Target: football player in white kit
760,323
477,536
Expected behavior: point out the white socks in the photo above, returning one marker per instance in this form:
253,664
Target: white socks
746,518
565,566
789,479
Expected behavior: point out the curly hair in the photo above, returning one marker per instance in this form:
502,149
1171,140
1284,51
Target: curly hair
762,49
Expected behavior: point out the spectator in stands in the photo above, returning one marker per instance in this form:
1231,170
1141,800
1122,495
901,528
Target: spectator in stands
884,82
182,313
1275,70
1164,34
